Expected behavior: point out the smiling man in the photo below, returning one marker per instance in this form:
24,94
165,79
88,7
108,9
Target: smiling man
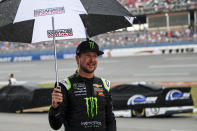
83,101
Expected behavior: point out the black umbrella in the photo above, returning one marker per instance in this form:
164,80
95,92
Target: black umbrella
32,21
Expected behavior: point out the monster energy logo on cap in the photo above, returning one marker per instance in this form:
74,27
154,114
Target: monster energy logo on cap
88,46
91,104
91,44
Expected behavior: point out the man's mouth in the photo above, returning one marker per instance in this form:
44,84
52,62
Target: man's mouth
91,65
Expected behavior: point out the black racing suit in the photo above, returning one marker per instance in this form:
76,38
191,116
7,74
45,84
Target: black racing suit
87,105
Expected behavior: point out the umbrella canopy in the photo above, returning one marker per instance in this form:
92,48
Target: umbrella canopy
32,21
29,21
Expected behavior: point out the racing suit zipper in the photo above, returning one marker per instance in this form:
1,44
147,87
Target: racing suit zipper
92,95
90,89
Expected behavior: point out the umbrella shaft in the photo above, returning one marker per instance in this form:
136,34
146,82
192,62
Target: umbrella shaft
55,52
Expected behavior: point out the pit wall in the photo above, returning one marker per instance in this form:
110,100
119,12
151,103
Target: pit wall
133,50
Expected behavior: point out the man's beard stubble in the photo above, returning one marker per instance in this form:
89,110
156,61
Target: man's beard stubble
86,70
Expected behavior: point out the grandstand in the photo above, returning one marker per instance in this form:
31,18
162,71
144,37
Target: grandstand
167,20
141,7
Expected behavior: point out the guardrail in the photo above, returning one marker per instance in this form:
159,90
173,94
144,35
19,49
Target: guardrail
160,50
137,49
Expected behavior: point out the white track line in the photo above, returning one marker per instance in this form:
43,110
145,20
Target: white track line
173,66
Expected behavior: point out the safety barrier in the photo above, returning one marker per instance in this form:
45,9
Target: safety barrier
33,56
178,49
151,49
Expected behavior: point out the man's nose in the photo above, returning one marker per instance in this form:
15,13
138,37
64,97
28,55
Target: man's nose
92,58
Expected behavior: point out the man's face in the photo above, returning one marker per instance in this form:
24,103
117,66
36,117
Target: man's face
87,62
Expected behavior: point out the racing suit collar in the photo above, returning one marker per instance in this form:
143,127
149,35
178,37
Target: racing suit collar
84,78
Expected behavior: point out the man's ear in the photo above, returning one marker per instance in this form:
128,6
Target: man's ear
77,59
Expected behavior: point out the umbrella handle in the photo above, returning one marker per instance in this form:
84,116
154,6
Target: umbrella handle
55,52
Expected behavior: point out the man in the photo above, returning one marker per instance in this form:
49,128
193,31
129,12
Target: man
11,80
83,101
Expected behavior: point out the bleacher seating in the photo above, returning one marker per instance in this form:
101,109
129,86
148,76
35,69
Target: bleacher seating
123,38
141,7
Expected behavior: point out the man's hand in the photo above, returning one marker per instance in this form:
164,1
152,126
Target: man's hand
57,97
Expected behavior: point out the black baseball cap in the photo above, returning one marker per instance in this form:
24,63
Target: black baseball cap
88,46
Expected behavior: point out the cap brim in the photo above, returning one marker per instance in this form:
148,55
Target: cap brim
98,52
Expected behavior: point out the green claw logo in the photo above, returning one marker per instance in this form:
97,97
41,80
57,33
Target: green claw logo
91,44
75,85
91,103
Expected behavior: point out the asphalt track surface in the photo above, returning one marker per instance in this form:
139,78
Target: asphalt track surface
39,122
124,69
155,68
